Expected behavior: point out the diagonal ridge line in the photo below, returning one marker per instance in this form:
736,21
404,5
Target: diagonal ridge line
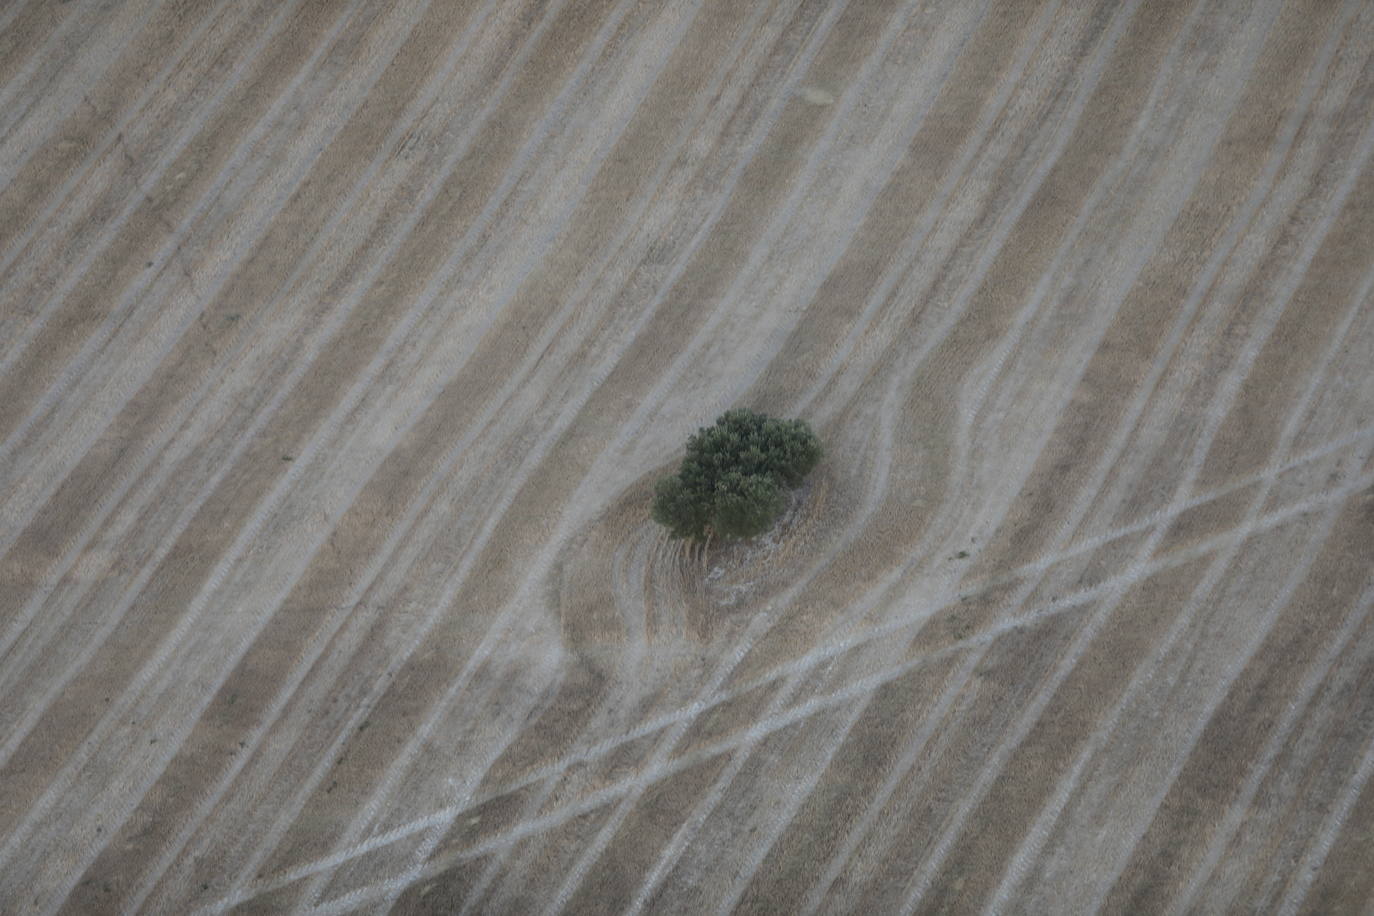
821,655
1236,812
1016,870
763,727
686,15
420,103
1292,715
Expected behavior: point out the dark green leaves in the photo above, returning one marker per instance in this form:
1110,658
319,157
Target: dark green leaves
734,476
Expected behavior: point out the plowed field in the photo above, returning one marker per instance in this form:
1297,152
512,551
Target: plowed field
341,343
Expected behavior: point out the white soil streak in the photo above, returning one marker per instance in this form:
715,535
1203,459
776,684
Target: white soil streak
1232,670
119,314
15,629
687,832
939,713
1293,712
899,271
981,393
748,215
760,729
636,647
860,688
10,12
1002,754
677,25
680,265
813,659
847,101
793,796
420,104
1109,181
1236,813
315,344
31,102
578,298
247,161
193,408
797,68
1050,814
106,503
427,299
210,27
1306,871
71,771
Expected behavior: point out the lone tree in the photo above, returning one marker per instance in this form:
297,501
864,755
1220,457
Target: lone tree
734,479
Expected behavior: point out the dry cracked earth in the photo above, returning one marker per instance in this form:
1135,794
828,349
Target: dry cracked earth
341,342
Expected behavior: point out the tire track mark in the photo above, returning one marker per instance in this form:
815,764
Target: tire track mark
688,830
970,799
890,32
419,104
579,296
1283,729
1307,871
474,231
19,492
156,434
1016,871
108,131
149,451
840,697
69,771
681,264
819,656
419,737
54,66
1236,812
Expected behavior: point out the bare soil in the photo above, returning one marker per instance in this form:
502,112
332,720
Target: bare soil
341,344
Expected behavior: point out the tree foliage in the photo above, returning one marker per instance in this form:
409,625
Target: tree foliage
734,478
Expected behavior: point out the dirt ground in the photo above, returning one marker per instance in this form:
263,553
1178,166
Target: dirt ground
341,342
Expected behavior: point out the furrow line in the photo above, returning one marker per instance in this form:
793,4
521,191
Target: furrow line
12,11
172,640
150,450
495,634
71,769
113,134
798,794
680,265
120,313
1236,813
156,446
57,61
891,31
474,232
754,732
1044,695
1292,715
419,105
1306,871
812,659
686,15
688,830
106,504
1052,810
579,296
1237,665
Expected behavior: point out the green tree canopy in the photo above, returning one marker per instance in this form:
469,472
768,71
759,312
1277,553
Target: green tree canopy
734,478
